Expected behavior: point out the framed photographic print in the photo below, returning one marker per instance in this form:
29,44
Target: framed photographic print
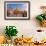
17,10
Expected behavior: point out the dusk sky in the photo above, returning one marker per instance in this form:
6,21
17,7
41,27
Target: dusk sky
13,6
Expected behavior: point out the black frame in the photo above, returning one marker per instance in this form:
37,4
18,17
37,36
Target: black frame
17,2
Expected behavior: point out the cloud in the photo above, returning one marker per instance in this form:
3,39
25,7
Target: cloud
25,6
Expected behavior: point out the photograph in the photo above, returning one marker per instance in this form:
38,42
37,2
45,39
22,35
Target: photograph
17,10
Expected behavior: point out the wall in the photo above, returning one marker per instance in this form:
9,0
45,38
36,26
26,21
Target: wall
25,27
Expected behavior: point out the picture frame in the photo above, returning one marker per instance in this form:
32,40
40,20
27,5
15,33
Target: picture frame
16,10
